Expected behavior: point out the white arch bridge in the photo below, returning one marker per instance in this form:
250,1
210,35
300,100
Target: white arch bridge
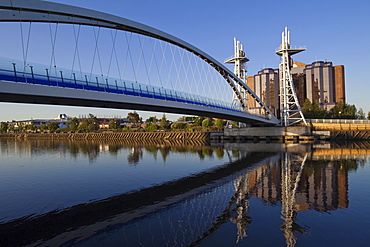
64,55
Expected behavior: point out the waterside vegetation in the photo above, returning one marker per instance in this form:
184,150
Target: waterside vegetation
133,123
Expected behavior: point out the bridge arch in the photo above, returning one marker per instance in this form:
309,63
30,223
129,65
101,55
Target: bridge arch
48,12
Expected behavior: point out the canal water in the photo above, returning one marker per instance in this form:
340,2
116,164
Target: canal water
177,193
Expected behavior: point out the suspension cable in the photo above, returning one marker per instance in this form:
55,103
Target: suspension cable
163,61
190,56
128,41
25,50
177,71
53,41
181,56
76,52
114,52
111,53
96,53
153,57
142,54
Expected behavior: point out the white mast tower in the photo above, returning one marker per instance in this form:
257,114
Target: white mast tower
239,59
291,111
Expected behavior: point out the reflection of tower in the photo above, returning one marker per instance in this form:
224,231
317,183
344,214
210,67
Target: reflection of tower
236,210
291,110
291,174
242,221
239,60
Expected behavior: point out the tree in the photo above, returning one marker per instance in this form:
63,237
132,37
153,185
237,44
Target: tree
52,126
368,115
113,124
342,110
207,122
186,119
151,127
94,122
164,122
43,127
11,128
219,123
89,124
312,110
179,126
360,114
3,127
152,120
306,105
134,118
84,126
198,121
32,127
73,124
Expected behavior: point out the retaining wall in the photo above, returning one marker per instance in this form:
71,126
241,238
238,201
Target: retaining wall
269,131
115,135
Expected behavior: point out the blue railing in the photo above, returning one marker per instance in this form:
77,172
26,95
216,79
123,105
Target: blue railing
52,77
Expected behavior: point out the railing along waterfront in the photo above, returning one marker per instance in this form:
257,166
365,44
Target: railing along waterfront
339,121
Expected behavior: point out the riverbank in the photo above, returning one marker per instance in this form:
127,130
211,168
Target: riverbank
255,134
113,135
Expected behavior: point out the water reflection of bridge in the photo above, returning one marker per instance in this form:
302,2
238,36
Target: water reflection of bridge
190,209
294,182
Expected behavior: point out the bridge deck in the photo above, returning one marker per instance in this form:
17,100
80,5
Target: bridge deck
57,95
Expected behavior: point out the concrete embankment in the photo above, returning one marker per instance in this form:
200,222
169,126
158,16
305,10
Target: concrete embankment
280,134
295,134
114,135
344,131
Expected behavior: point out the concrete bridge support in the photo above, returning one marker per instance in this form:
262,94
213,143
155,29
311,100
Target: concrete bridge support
291,133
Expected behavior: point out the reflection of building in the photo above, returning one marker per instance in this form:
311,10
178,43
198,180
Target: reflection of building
322,188
320,81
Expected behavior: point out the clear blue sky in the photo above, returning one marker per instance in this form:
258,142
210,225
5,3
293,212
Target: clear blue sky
336,31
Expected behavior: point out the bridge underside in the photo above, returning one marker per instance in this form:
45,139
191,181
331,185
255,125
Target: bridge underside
35,94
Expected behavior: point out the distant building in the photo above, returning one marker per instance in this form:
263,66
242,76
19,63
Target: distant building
104,122
320,82
266,85
62,121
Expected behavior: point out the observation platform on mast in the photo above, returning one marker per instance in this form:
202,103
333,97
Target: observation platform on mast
239,54
291,51
241,58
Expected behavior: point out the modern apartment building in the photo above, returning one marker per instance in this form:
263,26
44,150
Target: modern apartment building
319,81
